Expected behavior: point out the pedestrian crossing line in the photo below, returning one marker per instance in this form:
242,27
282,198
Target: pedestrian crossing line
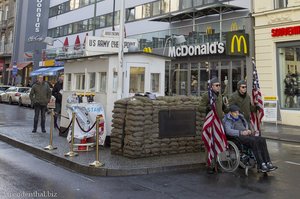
295,163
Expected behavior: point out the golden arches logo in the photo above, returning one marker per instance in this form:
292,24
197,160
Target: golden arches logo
238,40
209,30
234,26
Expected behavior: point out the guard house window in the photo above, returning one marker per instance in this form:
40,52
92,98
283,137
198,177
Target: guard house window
155,83
102,82
92,82
115,82
68,81
289,76
280,4
137,80
80,81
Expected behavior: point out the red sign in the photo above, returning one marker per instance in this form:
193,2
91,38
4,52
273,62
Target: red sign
293,30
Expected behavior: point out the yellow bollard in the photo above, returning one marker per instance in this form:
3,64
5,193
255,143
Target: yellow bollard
97,163
71,153
50,146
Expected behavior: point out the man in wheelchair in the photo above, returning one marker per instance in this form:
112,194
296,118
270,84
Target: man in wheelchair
235,125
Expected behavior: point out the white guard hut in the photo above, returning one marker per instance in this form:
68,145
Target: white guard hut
98,74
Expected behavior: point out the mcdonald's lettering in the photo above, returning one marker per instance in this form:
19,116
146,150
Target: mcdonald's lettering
238,41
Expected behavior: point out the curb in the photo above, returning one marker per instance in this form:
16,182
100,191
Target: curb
73,166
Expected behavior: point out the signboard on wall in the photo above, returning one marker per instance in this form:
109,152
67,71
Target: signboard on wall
98,45
270,108
237,43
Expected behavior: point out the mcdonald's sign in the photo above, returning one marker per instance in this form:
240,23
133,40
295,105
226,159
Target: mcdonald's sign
237,43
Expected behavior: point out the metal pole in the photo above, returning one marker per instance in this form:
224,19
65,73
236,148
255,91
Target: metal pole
113,18
121,51
71,153
94,20
97,163
50,146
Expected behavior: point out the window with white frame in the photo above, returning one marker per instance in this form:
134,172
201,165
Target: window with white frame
68,81
92,82
102,82
280,4
137,80
155,82
115,82
79,81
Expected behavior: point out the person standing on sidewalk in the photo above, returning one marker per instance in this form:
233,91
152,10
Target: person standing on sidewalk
40,96
57,93
220,107
243,100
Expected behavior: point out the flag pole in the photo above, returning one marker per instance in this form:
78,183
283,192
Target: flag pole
121,51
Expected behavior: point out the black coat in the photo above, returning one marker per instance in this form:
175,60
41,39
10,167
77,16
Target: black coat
55,92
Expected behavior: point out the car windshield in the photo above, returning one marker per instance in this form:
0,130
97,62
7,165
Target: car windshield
3,88
23,90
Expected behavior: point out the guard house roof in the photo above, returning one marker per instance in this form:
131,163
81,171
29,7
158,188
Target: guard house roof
197,12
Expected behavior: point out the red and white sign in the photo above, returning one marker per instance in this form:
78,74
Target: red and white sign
285,31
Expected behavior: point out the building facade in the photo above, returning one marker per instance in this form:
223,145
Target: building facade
7,21
277,46
156,24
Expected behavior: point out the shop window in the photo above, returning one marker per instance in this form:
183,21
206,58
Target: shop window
68,81
92,82
137,80
194,79
289,77
102,82
80,81
155,83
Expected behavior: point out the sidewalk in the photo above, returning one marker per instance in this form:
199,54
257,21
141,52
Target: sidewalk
281,132
115,165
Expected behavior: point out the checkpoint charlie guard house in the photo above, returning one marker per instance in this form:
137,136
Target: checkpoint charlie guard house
97,72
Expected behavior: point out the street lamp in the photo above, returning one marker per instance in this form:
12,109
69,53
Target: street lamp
178,40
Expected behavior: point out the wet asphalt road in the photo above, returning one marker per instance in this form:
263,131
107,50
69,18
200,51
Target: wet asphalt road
22,174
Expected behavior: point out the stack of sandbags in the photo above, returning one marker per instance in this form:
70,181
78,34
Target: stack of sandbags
134,128
118,131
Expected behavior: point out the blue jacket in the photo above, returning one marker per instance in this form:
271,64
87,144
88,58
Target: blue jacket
232,126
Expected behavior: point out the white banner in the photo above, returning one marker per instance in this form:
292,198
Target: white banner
106,44
86,116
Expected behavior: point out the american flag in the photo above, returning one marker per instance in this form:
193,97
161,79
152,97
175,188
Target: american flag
257,116
213,134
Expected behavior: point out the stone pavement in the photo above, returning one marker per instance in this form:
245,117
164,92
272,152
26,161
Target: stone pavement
21,136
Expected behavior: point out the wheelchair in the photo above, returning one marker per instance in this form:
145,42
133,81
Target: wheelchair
236,155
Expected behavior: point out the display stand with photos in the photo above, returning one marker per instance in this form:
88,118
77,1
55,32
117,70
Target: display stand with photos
270,109
85,128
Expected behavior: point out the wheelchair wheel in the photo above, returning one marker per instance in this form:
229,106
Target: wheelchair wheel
229,160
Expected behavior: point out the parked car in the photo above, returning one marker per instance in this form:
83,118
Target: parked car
12,94
4,88
24,100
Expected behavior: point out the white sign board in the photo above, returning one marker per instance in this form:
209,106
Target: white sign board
270,108
102,45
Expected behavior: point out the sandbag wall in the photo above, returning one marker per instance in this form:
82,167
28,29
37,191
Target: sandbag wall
135,131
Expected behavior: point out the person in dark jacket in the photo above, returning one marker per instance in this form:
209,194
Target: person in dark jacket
57,93
242,99
40,95
205,107
235,125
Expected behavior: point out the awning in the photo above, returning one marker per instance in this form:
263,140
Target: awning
197,12
50,71
20,66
